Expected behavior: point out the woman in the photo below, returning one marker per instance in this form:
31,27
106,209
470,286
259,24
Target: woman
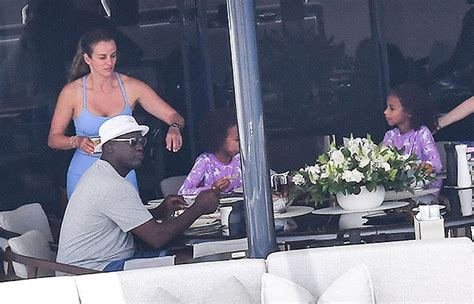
96,93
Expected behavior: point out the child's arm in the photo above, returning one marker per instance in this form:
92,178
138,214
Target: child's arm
388,138
461,111
195,177
430,152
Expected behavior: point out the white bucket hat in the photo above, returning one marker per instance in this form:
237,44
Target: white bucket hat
117,126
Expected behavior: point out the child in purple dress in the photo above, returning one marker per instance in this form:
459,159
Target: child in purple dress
408,110
219,166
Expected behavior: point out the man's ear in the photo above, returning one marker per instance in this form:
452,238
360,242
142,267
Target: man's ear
108,147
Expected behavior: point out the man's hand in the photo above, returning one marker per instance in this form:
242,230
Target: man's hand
207,201
170,205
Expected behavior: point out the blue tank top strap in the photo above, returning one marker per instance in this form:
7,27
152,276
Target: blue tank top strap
122,89
84,92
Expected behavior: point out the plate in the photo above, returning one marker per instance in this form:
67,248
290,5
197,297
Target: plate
294,211
152,204
230,200
189,199
203,222
440,207
392,195
238,190
386,219
338,210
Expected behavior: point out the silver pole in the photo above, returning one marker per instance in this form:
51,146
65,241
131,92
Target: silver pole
256,181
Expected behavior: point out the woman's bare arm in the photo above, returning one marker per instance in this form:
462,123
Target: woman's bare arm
63,114
156,106
463,110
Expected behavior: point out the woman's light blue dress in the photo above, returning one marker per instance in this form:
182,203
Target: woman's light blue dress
87,124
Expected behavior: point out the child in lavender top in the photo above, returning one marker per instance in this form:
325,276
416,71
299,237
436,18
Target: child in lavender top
409,110
219,166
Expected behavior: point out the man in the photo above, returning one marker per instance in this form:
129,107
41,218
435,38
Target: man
105,211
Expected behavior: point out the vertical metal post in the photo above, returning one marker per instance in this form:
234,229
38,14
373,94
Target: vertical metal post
381,49
201,8
243,43
185,41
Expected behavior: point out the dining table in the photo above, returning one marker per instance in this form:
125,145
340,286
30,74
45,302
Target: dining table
304,225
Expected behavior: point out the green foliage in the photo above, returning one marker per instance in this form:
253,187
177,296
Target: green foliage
358,163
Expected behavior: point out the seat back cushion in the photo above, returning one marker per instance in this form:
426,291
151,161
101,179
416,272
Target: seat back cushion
58,290
187,283
407,271
171,184
33,244
25,218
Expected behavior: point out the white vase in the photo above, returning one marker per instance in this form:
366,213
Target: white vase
363,201
464,177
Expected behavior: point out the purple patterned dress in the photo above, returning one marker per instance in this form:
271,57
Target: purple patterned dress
207,170
419,141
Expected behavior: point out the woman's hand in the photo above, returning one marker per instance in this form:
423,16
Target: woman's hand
85,144
174,140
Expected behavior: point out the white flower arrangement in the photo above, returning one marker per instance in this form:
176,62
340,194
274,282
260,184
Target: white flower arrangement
358,163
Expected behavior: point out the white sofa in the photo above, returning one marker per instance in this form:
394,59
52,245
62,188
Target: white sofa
410,271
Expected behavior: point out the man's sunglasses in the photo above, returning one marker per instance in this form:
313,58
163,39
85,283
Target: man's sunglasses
132,141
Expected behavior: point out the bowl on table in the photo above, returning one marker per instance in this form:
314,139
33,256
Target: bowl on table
280,204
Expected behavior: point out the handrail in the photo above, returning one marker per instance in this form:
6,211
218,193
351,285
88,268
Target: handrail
33,264
106,7
24,14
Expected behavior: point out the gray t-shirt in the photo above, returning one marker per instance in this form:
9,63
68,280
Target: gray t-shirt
102,211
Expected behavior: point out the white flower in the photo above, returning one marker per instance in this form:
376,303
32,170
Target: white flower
385,166
313,172
364,162
352,176
298,179
337,157
354,145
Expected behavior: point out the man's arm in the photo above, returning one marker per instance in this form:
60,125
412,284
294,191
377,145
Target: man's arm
158,234
171,204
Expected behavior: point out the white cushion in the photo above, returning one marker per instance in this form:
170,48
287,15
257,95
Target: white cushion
58,290
354,286
26,218
102,288
229,291
401,271
188,283
163,296
276,289
33,244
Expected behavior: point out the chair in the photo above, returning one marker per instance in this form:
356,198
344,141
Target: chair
210,248
29,256
442,152
26,218
171,184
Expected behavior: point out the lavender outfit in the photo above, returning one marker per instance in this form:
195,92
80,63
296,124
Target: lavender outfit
419,141
207,170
